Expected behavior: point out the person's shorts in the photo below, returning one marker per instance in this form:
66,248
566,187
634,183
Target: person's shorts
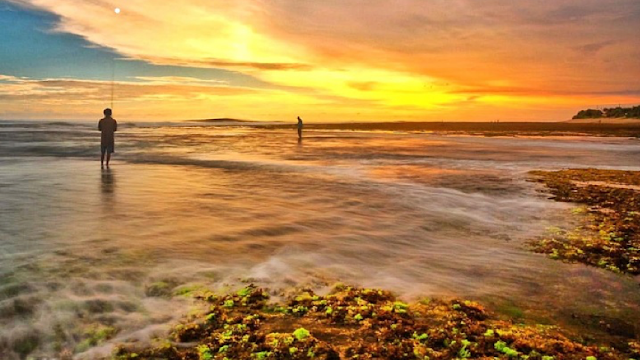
110,148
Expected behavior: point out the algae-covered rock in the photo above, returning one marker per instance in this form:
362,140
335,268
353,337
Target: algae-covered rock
362,324
608,235
159,289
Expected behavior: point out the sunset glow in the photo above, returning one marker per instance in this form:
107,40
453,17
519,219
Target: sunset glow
328,60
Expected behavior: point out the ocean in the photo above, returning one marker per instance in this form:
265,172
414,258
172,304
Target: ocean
186,206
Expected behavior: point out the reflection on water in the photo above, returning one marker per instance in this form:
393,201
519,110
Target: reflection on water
419,215
107,190
108,181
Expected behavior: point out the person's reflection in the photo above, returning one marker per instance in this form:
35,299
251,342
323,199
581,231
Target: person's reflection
108,184
299,142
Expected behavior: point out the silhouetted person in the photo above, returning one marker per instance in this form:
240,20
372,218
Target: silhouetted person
300,125
108,126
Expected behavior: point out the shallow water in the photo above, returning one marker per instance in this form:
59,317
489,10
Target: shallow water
419,214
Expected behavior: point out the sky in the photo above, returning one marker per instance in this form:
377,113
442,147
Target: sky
326,61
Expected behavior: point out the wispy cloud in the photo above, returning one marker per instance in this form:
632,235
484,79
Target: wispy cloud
593,48
179,80
63,90
163,97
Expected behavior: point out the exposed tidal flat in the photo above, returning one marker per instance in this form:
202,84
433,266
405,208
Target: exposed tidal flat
91,260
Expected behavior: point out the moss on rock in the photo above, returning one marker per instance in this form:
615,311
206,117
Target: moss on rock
363,324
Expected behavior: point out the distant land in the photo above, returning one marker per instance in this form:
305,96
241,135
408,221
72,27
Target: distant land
225,120
597,126
618,113
605,120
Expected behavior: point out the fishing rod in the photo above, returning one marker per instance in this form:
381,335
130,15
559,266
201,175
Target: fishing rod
113,76
113,68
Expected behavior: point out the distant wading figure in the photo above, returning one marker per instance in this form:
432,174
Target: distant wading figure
108,126
300,125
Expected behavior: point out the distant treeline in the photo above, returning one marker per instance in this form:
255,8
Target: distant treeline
616,112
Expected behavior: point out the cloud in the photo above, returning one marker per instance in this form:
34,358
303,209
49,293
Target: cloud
22,95
593,48
235,65
256,65
518,91
179,80
12,79
63,90
162,97
394,54
363,85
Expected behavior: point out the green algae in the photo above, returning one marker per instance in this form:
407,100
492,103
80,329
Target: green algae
95,335
362,324
511,310
204,353
160,289
26,344
608,234
301,334
188,290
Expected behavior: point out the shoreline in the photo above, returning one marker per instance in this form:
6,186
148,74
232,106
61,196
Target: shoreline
605,121
488,128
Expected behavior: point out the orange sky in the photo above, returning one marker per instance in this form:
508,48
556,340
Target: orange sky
337,60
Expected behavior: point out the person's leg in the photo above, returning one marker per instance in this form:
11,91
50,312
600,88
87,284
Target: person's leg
102,151
299,133
109,151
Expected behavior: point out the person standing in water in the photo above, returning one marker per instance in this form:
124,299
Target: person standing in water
108,126
300,125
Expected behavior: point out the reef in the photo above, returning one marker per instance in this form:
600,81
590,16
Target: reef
352,323
607,234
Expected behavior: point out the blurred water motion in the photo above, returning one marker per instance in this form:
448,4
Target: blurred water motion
422,215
